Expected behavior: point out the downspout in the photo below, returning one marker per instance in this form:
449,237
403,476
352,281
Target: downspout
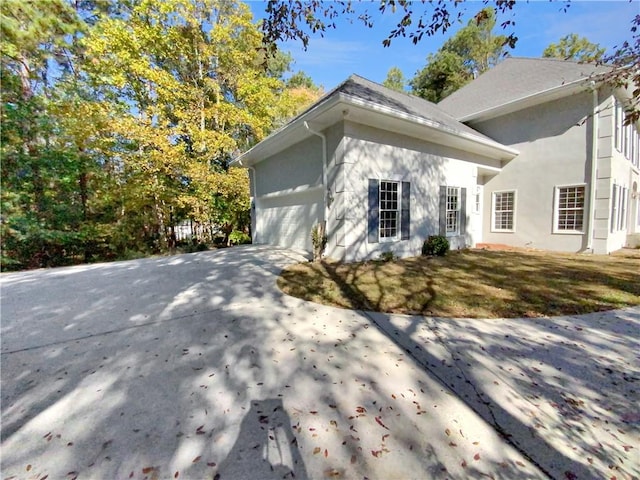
594,167
325,204
254,194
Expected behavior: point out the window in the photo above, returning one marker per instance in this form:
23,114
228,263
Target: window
503,211
453,210
626,136
619,200
570,209
477,202
452,205
389,210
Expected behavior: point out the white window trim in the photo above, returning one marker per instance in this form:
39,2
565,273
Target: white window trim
619,207
398,235
626,137
493,211
459,210
477,200
556,200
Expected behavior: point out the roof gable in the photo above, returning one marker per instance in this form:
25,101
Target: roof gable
516,80
360,100
412,105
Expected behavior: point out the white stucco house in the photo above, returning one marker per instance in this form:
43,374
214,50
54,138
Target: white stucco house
384,170
574,185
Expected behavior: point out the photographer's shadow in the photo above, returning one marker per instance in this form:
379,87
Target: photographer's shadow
266,447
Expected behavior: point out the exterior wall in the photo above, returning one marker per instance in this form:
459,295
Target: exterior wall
372,153
554,140
336,193
613,169
556,144
288,196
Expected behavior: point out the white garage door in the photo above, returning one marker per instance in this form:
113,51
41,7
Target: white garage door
287,221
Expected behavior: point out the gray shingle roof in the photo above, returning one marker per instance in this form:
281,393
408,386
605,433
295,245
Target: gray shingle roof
514,79
359,87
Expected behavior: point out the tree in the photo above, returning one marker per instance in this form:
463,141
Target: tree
42,206
574,47
298,20
134,128
470,52
444,74
625,72
395,79
301,80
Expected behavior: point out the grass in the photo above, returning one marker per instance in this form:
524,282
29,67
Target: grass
474,283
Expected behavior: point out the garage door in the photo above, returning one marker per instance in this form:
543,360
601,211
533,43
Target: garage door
287,221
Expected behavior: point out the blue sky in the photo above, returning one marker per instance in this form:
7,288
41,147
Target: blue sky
354,48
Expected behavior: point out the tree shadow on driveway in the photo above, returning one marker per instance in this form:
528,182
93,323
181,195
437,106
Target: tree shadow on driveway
562,390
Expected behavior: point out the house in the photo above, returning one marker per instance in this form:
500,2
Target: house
504,160
382,169
574,185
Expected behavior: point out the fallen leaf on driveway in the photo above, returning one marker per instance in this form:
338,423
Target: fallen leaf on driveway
379,420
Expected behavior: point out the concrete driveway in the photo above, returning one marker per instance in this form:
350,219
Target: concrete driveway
196,366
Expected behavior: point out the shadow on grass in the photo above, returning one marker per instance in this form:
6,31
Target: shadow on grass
475,284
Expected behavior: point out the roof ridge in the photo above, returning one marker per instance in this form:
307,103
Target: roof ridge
403,92
552,59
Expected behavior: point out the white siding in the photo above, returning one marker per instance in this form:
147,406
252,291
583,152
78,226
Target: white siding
373,153
289,196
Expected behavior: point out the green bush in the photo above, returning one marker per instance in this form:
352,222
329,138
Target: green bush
386,257
435,245
239,238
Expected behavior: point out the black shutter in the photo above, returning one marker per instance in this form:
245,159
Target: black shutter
405,212
463,211
442,230
373,213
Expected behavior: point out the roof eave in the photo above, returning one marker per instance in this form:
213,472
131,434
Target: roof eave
502,152
294,131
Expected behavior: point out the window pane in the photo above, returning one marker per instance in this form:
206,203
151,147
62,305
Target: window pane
570,208
389,214
453,209
503,210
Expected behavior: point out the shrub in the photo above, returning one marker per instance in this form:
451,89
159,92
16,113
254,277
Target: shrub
386,257
319,241
435,245
239,238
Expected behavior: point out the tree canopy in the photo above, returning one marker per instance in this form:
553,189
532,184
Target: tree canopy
119,120
470,52
300,19
395,80
574,47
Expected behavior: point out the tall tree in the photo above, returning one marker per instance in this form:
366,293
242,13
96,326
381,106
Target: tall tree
395,80
298,20
471,51
132,129
42,211
574,47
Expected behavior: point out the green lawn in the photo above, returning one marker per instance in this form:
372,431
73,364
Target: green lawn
474,283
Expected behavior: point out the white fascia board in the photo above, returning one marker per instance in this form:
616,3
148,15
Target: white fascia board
294,131
504,152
